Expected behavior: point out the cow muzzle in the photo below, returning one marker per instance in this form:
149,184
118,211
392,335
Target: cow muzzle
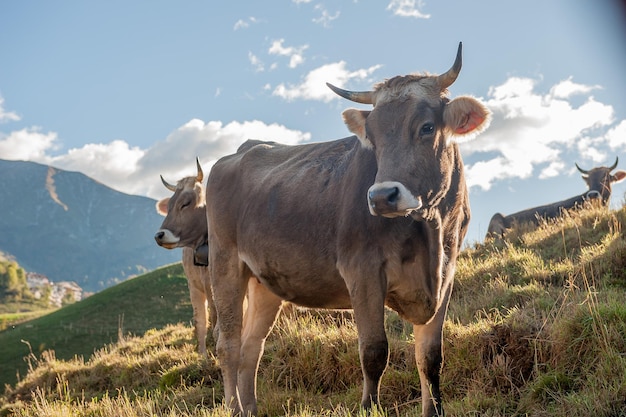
166,239
592,195
392,199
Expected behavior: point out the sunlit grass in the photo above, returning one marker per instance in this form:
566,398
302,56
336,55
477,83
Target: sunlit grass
536,327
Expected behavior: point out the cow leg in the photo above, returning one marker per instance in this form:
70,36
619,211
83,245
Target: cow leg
197,294
374,354
368,299
211,304
429,357
229,279
198,302
259,318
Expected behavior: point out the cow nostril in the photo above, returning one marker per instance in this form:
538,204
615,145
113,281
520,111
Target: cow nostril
392,197
159,236
384,195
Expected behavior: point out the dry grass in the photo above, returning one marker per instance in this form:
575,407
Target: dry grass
536,327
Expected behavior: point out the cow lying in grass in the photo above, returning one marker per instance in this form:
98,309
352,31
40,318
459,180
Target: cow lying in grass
598,180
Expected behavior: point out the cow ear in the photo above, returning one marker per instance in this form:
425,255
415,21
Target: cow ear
618,176
465,117
161,206
355,120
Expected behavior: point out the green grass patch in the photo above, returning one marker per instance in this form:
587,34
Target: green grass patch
149,301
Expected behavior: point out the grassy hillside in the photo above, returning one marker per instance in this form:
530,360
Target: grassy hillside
149,301
536,327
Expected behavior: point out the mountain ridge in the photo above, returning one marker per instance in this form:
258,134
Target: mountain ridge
70,227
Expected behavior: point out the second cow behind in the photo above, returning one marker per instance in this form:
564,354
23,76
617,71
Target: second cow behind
185,226
599,182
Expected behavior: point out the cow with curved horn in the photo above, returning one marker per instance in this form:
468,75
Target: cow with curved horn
598,181
370,220
185,226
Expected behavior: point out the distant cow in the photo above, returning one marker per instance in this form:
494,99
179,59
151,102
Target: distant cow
598,180
372,219
185,226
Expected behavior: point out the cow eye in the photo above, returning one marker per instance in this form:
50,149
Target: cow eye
427,129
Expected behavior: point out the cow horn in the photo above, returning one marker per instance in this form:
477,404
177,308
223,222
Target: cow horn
612,167
363,97
168,185
200,173
446,79
581,170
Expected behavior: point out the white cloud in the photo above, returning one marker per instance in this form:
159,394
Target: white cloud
301,1
240,24
27,144
569,88
244,24
175,156
256,62
294,53
530,131
408,8
314,85
136,171
482,173
591,149
616,137
7,116
552,170
325,17
111,163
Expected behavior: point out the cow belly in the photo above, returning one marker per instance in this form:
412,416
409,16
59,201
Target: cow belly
307,291
311,296
303,286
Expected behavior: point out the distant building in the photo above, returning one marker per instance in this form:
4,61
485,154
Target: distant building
37,284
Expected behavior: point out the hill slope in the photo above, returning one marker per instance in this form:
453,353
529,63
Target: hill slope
536,327
148,301
69,227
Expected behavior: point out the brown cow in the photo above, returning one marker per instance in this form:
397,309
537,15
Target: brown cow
372,219
598,180
185,226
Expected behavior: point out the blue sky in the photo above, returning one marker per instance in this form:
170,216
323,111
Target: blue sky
124,91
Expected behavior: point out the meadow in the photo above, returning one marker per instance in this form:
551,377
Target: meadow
536,327
134,306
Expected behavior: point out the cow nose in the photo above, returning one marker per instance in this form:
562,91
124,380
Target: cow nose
392,199
384,199
159,236
593,194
